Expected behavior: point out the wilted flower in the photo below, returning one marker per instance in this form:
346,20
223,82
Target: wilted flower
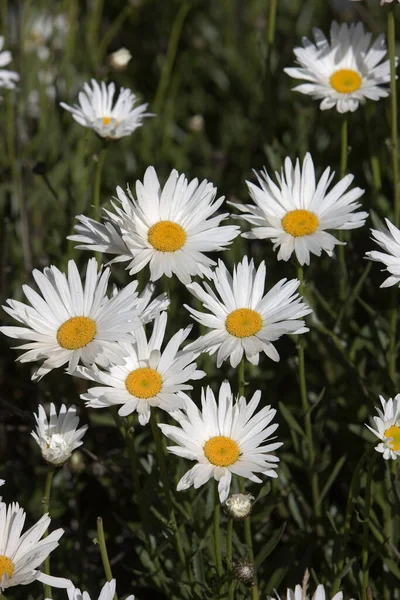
238,506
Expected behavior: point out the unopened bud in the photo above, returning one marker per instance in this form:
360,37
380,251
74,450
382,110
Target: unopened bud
77,462
245,571
118,60
238,506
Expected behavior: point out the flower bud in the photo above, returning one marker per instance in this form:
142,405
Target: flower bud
245,571
238,506
118,60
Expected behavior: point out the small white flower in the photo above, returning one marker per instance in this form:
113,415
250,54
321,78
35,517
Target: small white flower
168,228
96,110
387,427
389,240
296,213
107,593
22,555
224,439
147,377
298,594
72,323
58,437
45,33
238,506
242,319
8,79
344,71
2,482
119,59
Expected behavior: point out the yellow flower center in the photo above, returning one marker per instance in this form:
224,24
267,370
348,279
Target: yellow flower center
6,566
300,222
345,81
166,236
144,383
243,322
76,333
221,451
393,432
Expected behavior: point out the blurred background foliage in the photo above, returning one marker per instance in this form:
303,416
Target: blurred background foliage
214,77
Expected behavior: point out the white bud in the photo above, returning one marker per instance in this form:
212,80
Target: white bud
57,451
119,59
238,506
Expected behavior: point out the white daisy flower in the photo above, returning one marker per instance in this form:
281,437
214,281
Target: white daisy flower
107,593
8,79
96,111
148,376
224,439
387,427
298,594
58,437
296,213
20,556
343,71
243,320
169,228
389,240
45,33
71,323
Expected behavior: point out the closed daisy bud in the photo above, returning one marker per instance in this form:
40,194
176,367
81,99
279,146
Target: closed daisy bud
118,60
245,571
58,437
239,506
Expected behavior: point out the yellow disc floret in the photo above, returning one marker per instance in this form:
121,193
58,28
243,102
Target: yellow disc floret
106,120
144,383
393,432
300,222
166,236
345,81
6,566
221,451
243,322
76,333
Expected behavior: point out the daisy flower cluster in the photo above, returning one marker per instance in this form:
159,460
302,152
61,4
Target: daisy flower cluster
120,341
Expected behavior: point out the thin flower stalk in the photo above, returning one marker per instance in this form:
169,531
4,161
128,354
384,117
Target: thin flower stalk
307,415
103,551
46,509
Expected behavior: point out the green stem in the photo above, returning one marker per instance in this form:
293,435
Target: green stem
217,536
347,522
241,377
395,167
307,415
343,168
46,509
271,23
365,569
165,483
393,110
103,551
249,543
97,181
229,556
170,58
